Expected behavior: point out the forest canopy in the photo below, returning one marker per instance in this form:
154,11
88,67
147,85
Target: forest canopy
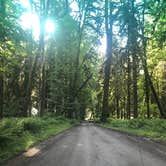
79,58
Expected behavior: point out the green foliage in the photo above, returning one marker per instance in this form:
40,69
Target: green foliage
152,128
32,126
137,123
71,55
18,134
74,121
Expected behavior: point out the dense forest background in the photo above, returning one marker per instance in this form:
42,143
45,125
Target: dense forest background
66,73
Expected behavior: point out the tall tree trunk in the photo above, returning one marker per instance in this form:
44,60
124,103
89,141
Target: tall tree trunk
24,87
133,37
150,83
146,83
124,107
43,15
162,113
42,57
117,107
31,68
128,86
108,27
29,87
163,88
1,94
135,96
117,93
3,13
74,86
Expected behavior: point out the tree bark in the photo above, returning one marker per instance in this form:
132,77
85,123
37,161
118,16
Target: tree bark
74,85
128,86
108,27
1,94
134,58
147,92
3,13
162,113
29,87
135,95
42,79
150,83
146,83
117,107
42,85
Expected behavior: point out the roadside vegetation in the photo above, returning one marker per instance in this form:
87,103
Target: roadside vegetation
106,59
19,134
154,129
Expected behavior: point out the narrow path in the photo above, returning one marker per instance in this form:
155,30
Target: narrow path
90,145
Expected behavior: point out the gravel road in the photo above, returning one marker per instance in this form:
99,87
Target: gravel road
91,145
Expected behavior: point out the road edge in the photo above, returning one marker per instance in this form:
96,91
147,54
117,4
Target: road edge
40,145
159,148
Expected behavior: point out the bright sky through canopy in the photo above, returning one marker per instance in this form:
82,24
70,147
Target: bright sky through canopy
29,20
50,26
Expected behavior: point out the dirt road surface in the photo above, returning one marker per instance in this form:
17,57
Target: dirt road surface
91,145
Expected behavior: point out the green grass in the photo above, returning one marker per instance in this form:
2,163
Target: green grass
155,129
19,134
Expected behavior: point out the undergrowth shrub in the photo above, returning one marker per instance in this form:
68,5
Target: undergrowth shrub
136,123
61,118
18,134
157,125
4,141
73,121
33,126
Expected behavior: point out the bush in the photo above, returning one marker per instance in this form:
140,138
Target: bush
7,123
163,125
18,134
73,121
4,141
52,121
32,126
156,125
116,123
137,123
61,118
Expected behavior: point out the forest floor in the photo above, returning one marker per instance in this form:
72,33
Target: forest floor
91,145
153,129
19,134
